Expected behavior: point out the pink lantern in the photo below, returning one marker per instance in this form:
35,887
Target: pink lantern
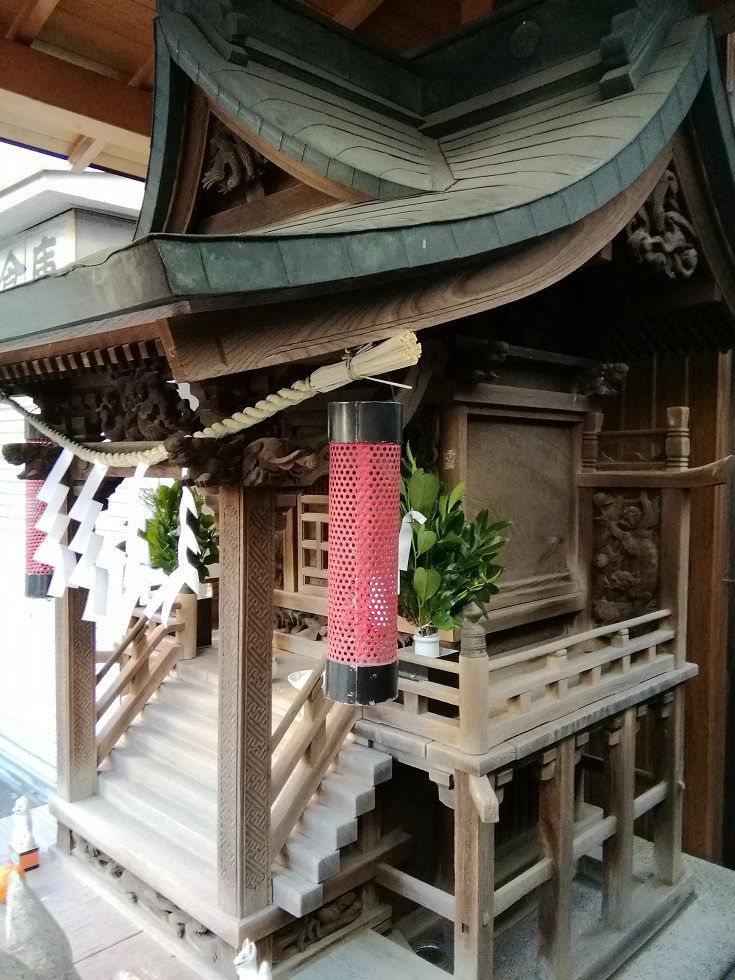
38,575
364,520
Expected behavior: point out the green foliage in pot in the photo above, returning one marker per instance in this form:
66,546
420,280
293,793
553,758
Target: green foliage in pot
452,562
162,530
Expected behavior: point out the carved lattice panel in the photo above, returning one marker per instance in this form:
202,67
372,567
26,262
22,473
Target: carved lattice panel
313,533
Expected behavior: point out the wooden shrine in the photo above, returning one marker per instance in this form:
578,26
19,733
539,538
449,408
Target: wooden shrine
548,209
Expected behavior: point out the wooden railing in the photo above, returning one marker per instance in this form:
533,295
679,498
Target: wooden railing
146,655
301,760
476,701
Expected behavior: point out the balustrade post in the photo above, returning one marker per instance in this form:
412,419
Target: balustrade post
474,876
247,550
617,851
76,765
474,685
556,840
312,708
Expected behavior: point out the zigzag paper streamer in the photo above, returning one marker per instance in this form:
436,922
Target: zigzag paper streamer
136,570
54,523
185,573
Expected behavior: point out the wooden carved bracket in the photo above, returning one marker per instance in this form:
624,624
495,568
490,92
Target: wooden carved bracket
659,237
265,462
37,458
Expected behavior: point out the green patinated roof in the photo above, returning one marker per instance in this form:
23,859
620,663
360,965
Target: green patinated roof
527,167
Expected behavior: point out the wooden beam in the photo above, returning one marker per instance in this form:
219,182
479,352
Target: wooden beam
354,12
36,84
87,149
31,20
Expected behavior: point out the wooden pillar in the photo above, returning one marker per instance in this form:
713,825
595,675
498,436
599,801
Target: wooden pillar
556,839
474,685
247,545
669,751
76,765
617,851
474,876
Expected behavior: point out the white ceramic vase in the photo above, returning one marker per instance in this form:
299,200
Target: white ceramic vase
426,646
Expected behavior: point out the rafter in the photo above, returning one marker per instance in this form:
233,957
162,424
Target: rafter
354,12
36,85
31,20
87,149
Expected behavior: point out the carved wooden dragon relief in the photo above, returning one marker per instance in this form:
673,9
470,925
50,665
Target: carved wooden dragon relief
231,161
625,577
659,237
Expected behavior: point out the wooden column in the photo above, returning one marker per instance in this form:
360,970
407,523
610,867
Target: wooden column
675,510
617,851
76,765
669,753
474,684
474,876
556,840
247,545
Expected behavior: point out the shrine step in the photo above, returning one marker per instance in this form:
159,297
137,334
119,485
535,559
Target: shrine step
348,794
295,894
194,829
144,768
312,859
333,827
171,720
199,700
184,755
151,854
362,763
203,669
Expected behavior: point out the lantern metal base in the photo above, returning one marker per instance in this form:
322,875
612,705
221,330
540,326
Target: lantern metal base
37,585
361,683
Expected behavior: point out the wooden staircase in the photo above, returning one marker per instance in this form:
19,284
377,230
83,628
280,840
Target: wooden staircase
158,788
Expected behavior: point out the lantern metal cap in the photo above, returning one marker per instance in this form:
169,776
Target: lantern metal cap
365,684
365,422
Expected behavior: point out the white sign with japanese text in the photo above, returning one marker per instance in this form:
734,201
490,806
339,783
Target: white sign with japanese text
39,252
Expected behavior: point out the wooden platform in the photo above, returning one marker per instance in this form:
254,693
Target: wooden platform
103,939
370,956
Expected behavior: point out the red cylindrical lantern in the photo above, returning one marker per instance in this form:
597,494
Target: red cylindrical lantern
364,520
38,575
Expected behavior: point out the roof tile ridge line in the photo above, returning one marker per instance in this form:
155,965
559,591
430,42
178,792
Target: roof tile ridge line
211,87
338,79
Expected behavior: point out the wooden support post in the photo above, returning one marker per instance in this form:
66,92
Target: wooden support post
313,708
556,840
76,765
579,780
675,510
591,440
247,548
617,851
474,876
667,819
474,685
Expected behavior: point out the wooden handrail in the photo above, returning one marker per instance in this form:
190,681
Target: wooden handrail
567,642
130,707
296,748
297,704
711,475
293,800
120,649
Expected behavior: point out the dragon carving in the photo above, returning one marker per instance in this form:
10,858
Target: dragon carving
626,555
231,161
659,237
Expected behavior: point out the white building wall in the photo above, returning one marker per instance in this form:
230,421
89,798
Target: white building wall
27,671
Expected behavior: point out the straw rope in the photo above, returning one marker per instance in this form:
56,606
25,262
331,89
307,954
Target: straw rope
398,352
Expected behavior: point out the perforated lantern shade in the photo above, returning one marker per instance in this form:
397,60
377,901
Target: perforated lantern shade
38,575
364,519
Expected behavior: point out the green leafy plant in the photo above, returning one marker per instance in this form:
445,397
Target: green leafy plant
452,561
162,530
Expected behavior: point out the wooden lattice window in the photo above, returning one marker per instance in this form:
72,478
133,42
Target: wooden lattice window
313,528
